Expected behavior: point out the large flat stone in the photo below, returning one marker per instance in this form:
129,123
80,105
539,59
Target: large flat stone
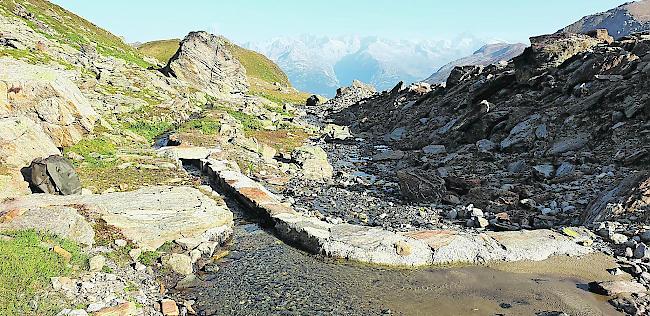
536,245
186,152
149,216
63,221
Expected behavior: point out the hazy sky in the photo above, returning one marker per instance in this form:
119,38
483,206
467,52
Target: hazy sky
255,20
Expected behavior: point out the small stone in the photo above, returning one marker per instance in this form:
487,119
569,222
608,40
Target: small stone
481,222
195,255
120,242
645,236
59,283
477,212
641,251
485,145
188,282
169,308
127,308
618,239
403,248
93,307
139,267
629,252
545,171
452,214
135,253
96,263
179,263
67,256
434,149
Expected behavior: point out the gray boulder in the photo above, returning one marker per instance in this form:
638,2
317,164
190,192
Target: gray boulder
421,185
205,62
52,175
314,163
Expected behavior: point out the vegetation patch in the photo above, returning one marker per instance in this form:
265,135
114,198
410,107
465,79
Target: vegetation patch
148,129
258,66
26,266
206,126
250,122
282,140
98,152
132,178
162,50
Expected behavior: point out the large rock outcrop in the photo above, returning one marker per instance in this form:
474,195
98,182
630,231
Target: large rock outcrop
204,61
47,97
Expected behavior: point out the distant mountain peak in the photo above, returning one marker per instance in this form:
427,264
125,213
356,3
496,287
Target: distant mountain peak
321,64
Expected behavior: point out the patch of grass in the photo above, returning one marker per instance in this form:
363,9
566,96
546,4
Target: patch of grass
148,129
112,177
282,140
258,66
130,287
249,122
279,97
163,50
26,266
33,56
206,126
95,151
144,95
149,258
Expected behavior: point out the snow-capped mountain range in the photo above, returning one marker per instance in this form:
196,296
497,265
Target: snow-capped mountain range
320,64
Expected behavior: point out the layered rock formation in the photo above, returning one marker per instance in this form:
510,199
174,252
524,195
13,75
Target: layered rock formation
204,61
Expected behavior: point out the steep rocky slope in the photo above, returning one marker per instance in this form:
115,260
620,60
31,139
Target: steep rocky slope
570,113
486,55
621,21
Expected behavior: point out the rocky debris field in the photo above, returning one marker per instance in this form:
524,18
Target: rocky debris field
554,139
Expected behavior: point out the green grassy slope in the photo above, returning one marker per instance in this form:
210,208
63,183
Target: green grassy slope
73,30
162,50
258,66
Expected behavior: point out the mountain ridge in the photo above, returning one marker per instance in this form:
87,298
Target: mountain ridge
621,21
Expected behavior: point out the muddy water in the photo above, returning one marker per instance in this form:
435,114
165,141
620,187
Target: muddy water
264,276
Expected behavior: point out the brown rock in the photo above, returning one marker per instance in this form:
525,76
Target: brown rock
421,185
169,307
402,248
63,253
124,309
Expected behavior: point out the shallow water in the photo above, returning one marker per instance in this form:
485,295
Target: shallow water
263,276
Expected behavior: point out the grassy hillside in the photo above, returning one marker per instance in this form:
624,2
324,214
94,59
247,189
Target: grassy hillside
72,29
258,66
162,50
